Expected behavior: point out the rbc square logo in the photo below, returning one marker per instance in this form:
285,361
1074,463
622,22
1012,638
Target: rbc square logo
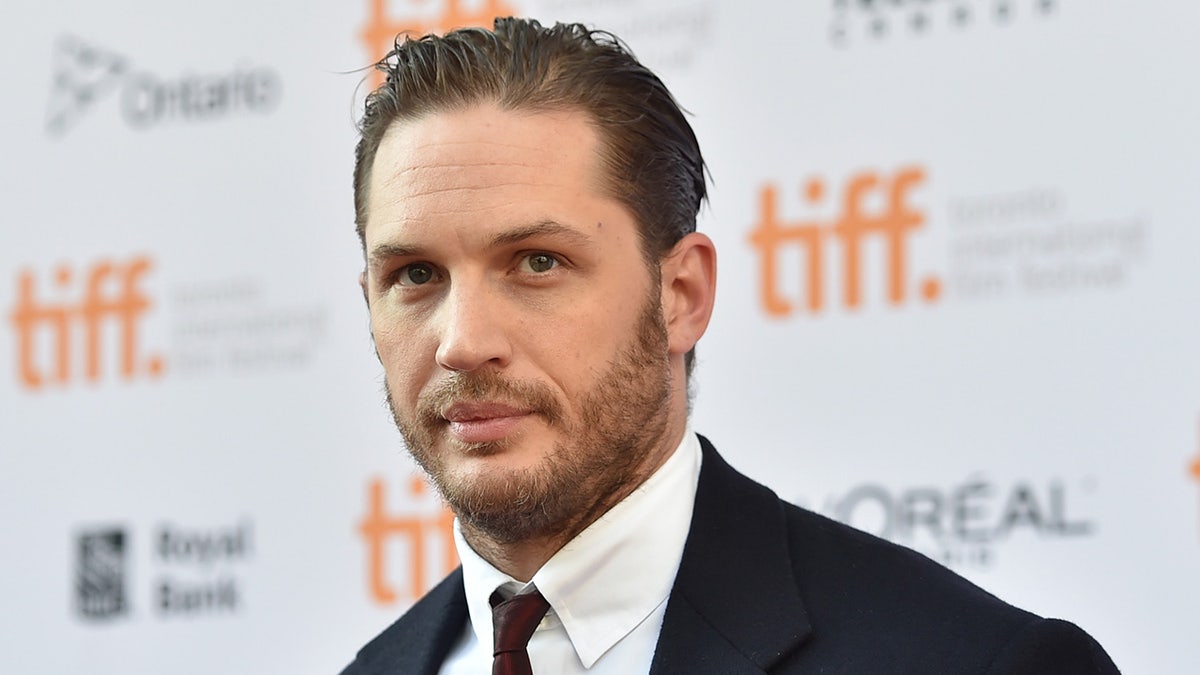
100,574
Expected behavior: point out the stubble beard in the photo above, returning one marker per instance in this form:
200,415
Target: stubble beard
601,458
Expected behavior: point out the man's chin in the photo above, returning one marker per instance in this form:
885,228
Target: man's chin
505,503
479,450
493,473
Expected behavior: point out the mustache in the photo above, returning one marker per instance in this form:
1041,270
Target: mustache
486,387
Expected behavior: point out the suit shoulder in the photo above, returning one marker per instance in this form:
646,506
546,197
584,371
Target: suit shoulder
1053,646
866,595
418,641
828,554
872,595
792,588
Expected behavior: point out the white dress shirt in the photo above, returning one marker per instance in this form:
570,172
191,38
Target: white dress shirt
607,587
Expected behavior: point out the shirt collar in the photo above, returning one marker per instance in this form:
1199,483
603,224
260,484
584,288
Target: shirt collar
615,573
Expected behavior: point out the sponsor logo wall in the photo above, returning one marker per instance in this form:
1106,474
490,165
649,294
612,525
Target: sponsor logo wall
957,310
894,224
964,525
1194,467
85,74
195,572
419,533
63,322
865,20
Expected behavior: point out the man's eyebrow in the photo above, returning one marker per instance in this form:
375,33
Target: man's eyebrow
541,229
383,252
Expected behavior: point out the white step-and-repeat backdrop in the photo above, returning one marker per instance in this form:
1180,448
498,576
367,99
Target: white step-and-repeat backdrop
959,307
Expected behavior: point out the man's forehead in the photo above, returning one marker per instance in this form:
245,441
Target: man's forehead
551,133
466,164
486,143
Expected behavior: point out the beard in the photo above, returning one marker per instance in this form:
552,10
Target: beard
600,457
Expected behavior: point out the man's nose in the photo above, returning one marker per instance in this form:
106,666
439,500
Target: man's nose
472,329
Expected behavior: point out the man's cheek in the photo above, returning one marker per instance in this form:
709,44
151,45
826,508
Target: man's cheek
407,375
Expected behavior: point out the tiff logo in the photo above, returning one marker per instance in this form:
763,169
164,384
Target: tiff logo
427,520
380,32
893,224
1195,468
100,575
104,303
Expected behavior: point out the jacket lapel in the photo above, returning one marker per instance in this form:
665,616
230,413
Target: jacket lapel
735,606
420,640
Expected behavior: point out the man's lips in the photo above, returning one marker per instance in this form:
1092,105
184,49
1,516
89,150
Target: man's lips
484,422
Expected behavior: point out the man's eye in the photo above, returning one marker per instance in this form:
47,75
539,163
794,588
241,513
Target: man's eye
415,274
539,262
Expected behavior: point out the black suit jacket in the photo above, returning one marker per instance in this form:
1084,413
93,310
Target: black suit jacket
768,587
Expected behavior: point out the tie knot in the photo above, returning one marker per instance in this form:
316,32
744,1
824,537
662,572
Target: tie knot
515,619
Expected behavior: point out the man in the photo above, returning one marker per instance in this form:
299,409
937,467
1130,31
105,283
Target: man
526,200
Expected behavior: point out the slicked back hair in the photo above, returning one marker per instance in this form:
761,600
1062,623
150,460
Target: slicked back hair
650,154
650,157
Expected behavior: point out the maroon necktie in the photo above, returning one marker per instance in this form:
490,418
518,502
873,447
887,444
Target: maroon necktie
513,623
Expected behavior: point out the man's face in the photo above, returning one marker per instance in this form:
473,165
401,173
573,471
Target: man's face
519,327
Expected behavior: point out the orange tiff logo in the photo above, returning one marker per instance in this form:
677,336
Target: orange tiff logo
428,522
893,224
379,33
112,296
1195,468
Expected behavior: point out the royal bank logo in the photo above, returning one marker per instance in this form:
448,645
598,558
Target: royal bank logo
199,569
101,578
387,19
85,74
862,21
66,335
410,539
192,571
870,207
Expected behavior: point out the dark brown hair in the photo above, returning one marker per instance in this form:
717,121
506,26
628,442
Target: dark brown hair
651,157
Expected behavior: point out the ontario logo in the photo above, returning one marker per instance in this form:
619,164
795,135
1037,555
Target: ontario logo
868,206
418,533
88,328
387,19
85,73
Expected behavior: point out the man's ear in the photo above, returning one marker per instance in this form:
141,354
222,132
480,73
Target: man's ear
362,283
689,286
